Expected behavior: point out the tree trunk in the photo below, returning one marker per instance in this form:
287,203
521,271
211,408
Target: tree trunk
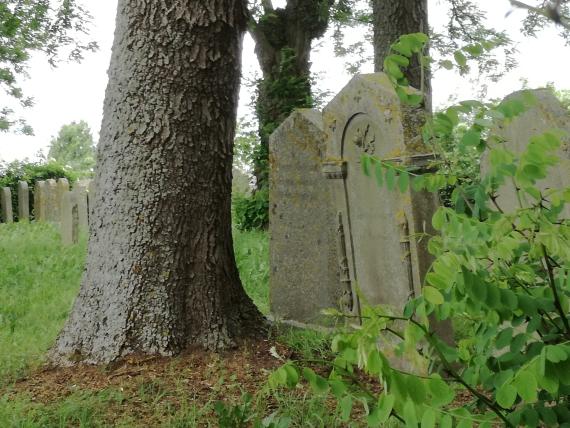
392,19
283,38
160,273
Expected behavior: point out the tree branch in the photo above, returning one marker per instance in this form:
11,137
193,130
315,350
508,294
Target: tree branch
551,12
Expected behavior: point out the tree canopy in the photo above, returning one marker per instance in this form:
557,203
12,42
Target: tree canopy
27,26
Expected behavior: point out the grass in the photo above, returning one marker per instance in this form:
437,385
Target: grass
39,279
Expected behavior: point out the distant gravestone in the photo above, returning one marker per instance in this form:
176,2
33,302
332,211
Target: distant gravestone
304,277
62,189
385,260
23,201
80,192
52,208
40,201
6,205
69,219
546,114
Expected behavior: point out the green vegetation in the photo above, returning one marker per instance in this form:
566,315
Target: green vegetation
39,279
30,172
74,148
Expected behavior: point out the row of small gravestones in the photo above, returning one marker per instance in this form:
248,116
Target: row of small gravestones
336,238
53,202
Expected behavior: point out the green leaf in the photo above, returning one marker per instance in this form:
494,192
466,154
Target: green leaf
365,162
403,181
527,387
506,395
442,393
410,416
437,280
556,353
432,295
292,375
385,406
471,138
428,419
402,61
345,408
447,64
446,422
374,363
390,177
460,59
379,173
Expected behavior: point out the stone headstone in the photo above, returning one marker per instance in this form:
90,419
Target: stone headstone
40,201
80,192
62,189
6,205
52,206
545,114
23,201
69,219
304,276
385,262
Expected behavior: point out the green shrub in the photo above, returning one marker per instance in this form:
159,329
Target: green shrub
30,172
251,212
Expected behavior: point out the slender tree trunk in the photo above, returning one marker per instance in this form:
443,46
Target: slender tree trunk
392,19
160,273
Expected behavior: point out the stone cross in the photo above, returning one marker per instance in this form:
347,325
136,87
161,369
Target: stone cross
6,205
23,201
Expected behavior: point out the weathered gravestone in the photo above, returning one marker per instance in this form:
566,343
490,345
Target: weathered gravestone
62,189
23,201
40,201
545,114
304,276
386,260
80,192
6,205
69,218
52,206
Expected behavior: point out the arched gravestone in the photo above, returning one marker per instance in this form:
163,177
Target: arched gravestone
304,275
383,262
545,113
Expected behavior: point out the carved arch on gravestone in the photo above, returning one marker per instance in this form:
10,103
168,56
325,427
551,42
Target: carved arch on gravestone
363,119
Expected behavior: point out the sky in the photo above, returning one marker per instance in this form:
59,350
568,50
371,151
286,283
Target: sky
75,91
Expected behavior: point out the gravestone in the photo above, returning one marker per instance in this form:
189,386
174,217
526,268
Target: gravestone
40,201
80,192
304,277
62,189
546,114
52,207
23,201
6,205
385,260
69,219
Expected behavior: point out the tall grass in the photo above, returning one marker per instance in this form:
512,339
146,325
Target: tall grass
39,279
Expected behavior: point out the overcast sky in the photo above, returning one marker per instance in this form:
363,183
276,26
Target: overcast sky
74,92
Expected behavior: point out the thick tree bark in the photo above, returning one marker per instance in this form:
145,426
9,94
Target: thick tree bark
160,273
283,38
393,19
